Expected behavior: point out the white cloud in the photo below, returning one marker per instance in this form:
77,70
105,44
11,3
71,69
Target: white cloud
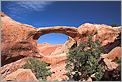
20,10
25,7
34,5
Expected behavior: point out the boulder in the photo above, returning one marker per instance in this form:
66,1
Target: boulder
9,68
113,54
110,65
111,57
21,75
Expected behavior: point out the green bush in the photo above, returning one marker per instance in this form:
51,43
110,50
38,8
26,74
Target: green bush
39,68
83,62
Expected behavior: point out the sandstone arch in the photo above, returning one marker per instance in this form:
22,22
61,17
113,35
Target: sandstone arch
20,40
70,31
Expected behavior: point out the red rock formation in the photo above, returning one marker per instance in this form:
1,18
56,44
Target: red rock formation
16,40
104,33
20,40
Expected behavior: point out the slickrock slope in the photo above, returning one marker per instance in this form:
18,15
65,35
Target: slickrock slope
19,41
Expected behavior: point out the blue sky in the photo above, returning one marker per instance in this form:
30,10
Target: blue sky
63,13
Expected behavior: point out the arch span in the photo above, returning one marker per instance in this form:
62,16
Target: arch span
70,31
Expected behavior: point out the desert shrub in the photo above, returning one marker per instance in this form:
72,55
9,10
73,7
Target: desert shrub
83,61
39,68
114,25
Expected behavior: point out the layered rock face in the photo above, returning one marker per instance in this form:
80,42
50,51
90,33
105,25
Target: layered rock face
19,41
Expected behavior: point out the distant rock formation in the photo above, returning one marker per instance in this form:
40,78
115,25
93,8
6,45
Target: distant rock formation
19,41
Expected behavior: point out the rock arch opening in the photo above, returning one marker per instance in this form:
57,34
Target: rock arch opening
53,38
68,36
54,43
